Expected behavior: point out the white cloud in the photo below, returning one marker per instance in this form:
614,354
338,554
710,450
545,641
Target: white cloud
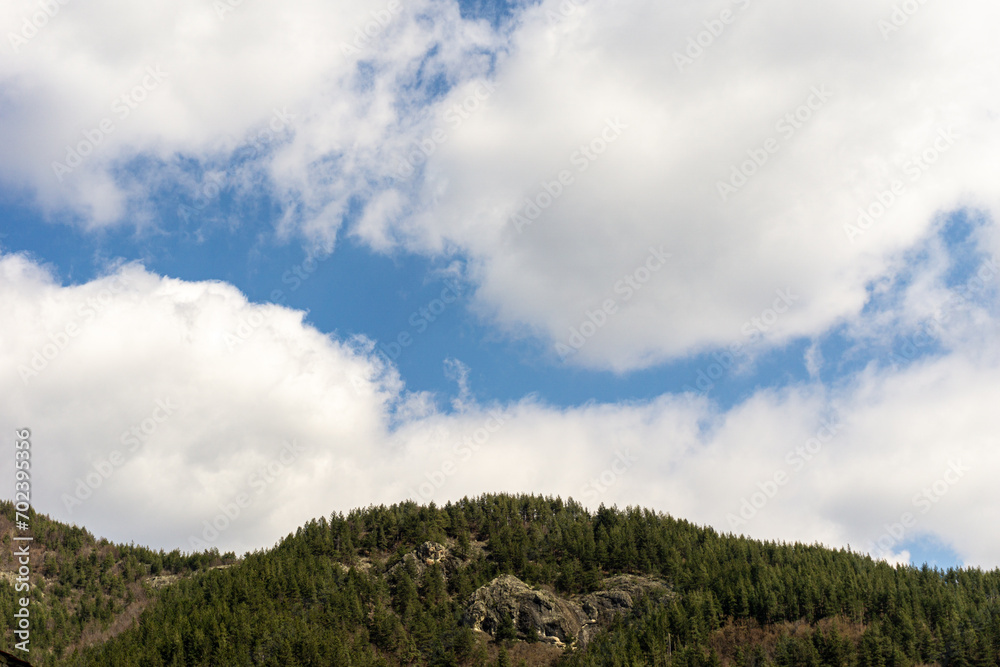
194,387
443,177
887,97
876,106
101,83
213,387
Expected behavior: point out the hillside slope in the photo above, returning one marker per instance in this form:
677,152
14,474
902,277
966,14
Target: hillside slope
83,590
413,584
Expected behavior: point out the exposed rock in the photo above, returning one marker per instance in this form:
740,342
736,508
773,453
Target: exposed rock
549,617
618,595
431,552
508,599
426,555
161,580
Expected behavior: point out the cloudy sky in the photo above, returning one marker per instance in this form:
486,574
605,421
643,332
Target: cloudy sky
733,260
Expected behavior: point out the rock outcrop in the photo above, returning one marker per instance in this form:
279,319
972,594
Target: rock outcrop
507,603
426,555
507,599
431,552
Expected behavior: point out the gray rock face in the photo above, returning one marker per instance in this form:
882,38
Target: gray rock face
426,555
552,618
618,596
507,597
431,552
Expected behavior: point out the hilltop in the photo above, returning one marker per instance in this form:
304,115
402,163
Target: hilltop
503,580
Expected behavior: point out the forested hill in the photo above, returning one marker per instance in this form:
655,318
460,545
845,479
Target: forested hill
83,590
422,585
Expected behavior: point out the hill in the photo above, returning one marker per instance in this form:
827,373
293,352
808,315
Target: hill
499,580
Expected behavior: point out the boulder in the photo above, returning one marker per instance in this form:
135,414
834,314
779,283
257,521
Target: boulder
617,595
531,612
551,618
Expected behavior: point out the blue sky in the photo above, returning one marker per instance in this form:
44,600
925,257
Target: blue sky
356,291
287,210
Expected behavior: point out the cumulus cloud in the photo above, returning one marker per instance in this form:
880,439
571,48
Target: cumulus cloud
157,405
749,158
153,400
749,163
629,182
552,153
95,93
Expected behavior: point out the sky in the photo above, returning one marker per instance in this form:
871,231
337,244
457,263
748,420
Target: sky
735,261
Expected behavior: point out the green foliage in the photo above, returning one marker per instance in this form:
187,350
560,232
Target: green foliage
79,585
506,629
346,591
